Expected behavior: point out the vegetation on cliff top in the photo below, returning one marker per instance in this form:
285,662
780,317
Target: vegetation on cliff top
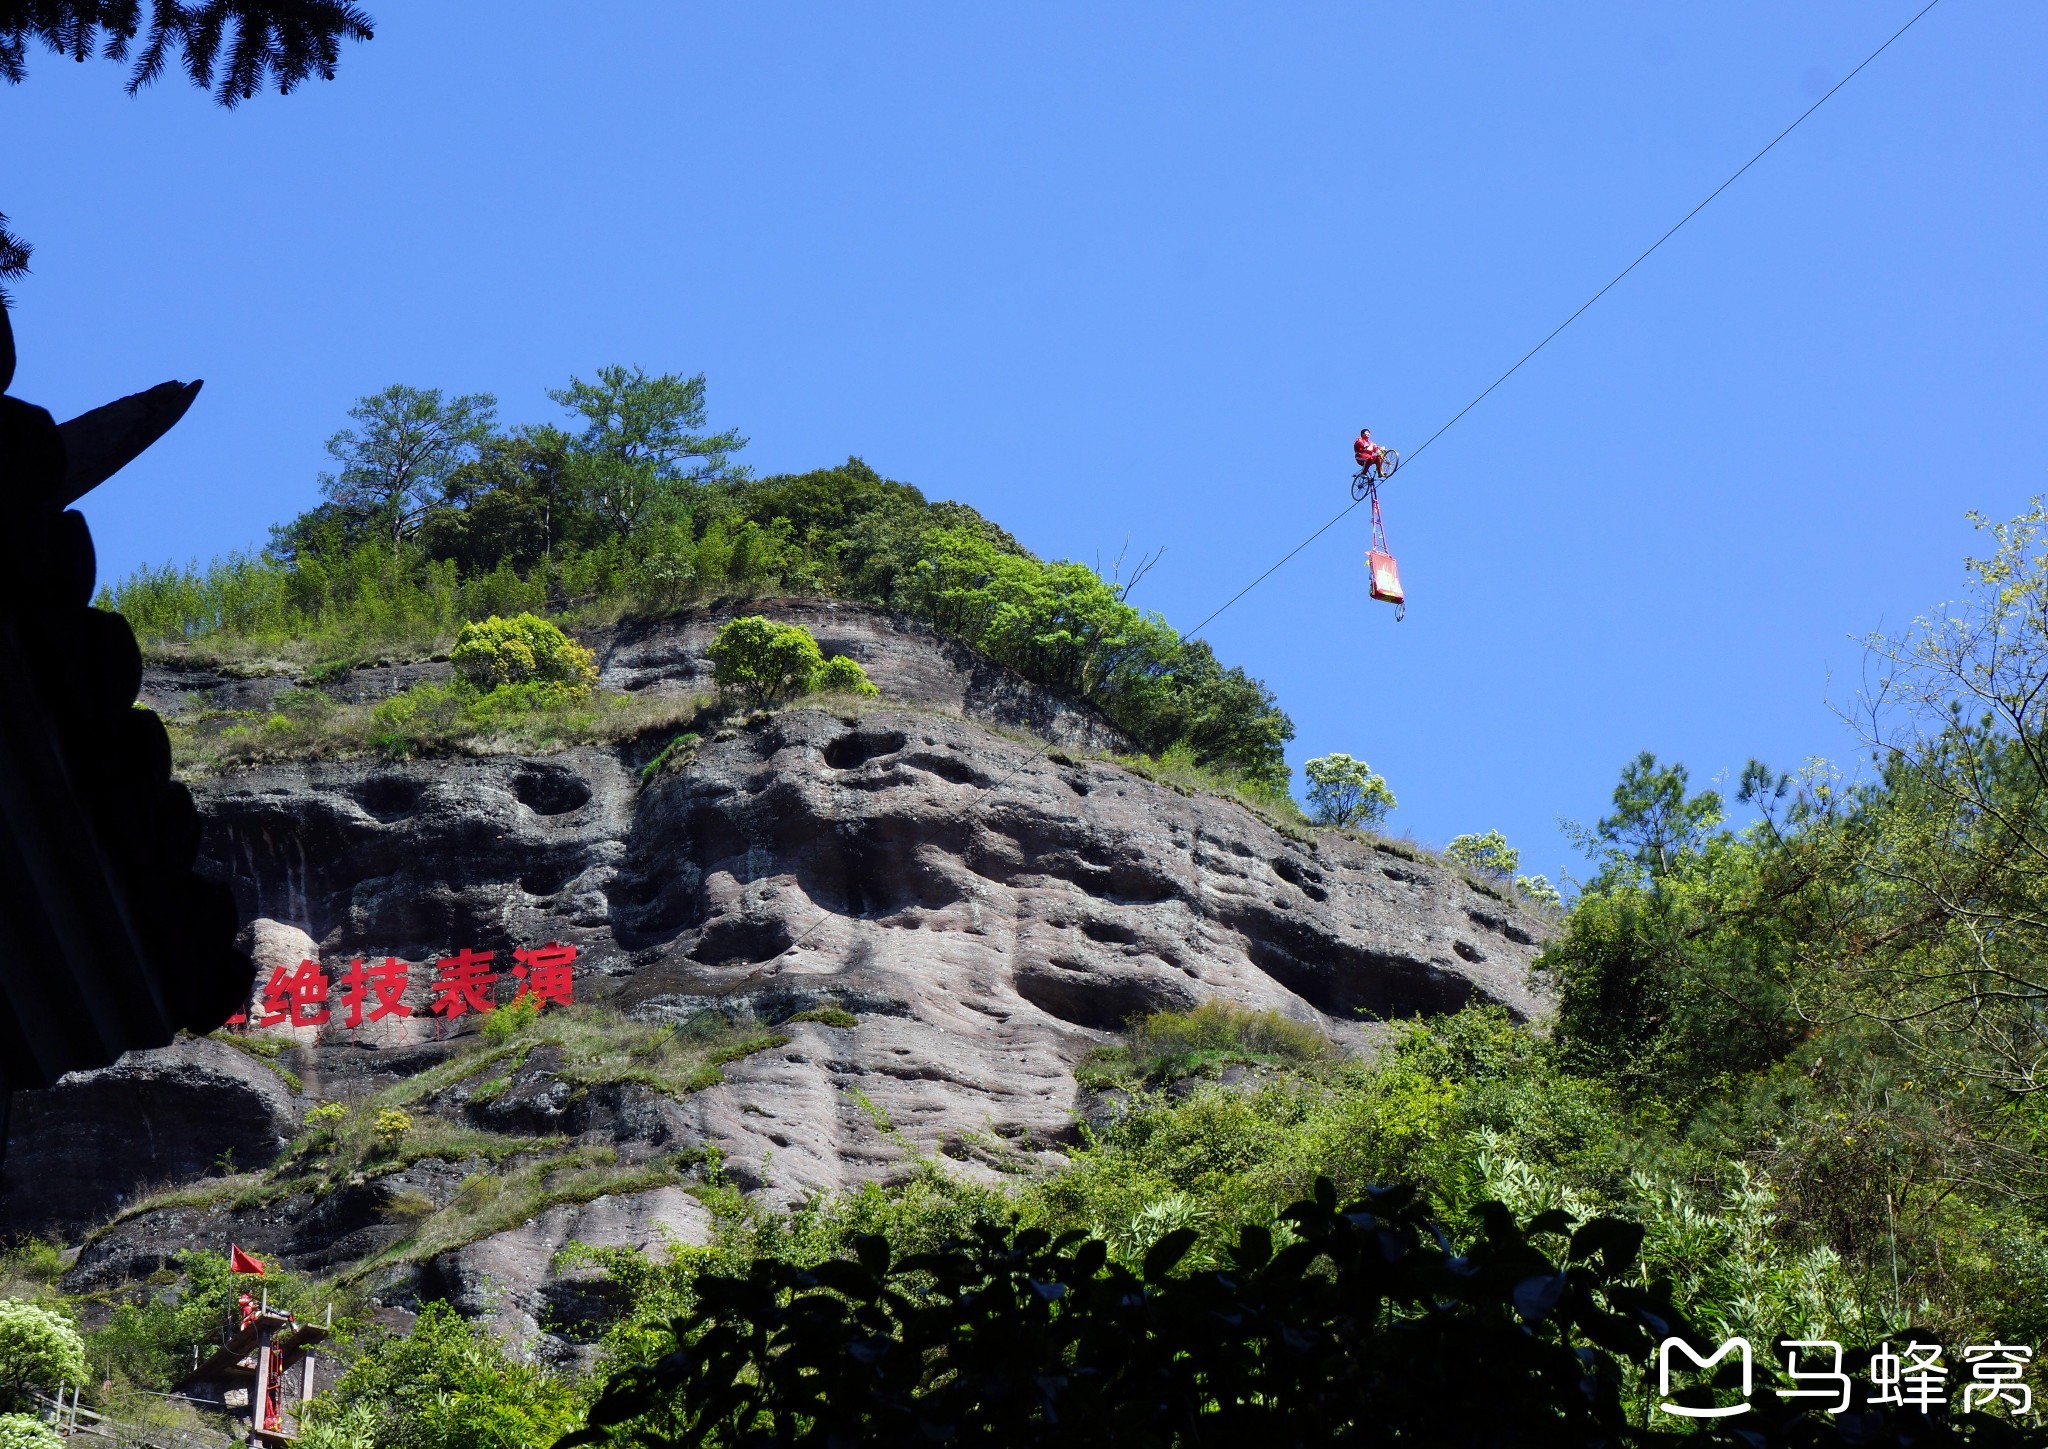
436,517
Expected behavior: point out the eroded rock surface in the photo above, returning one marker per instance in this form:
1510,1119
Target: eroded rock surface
77,1152
986,907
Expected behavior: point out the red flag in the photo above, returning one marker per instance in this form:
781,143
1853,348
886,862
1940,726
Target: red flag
241,1262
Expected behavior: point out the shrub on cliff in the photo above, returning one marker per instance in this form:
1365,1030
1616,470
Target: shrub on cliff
842,674
1488,854
1224,1031
426,715
523,649
763,662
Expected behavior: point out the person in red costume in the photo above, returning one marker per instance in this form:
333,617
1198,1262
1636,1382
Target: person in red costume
1368,453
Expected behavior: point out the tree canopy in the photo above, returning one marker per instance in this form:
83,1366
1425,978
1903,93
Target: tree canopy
399,459
40,1351
1347,793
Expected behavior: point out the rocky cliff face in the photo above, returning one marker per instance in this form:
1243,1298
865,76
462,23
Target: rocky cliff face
985,907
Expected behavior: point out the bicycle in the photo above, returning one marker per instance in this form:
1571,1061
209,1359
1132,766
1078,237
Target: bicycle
1366,479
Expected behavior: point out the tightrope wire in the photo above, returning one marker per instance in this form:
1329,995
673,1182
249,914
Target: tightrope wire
1613,282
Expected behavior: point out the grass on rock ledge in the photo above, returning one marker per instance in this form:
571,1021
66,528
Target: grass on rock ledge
428,719
1171,1046
434,719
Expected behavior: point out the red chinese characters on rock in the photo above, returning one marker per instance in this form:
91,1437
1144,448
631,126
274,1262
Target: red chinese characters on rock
543,974
386,981
370,992
462,982
300,998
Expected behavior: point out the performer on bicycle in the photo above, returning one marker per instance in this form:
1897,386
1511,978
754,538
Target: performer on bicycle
1368,453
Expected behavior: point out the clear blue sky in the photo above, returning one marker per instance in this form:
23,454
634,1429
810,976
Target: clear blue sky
1139,271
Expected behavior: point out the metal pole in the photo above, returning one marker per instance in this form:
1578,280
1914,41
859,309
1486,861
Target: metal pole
1892,1223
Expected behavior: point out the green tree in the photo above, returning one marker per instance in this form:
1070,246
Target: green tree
448,1384
1488,854
637,447
1346,793
1229,719
40,1351
1677,961
1062,626
408,443
831,501
148,1342
1955,837
1655,821
762,661
517,502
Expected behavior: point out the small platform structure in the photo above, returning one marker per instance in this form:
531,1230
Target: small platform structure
262,1371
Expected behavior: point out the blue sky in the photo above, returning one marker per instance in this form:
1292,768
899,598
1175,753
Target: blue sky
1139,272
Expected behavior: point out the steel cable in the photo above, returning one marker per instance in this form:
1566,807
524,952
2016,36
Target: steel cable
1583,307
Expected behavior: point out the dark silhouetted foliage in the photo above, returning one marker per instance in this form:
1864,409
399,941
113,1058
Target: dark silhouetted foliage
232,47
1359,1325
14,255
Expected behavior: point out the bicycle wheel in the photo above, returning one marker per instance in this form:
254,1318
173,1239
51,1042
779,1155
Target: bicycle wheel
1361,485
1389,461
